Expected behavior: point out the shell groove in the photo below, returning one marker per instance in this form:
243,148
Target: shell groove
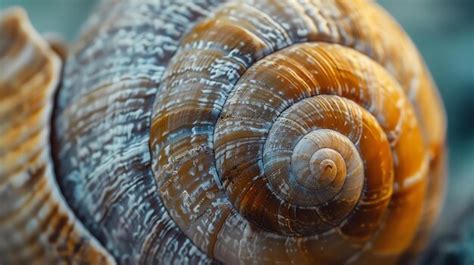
36,224
213,131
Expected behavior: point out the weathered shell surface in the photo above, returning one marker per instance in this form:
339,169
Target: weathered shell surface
36,225
265,131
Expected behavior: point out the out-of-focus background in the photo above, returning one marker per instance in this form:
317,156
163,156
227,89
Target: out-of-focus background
443,31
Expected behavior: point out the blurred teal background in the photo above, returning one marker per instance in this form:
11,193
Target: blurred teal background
443,31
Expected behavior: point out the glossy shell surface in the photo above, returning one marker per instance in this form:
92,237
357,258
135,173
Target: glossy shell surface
240,132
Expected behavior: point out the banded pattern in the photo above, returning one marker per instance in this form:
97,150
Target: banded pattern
178,122
102,128
36,225
229,83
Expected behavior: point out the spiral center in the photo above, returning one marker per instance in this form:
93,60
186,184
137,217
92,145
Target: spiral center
317,168
327,170
324,167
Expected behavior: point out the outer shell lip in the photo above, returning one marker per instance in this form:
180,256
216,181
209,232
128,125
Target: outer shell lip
36,224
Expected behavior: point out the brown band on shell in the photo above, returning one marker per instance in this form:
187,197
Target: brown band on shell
194,55
194,91
101,127
36,224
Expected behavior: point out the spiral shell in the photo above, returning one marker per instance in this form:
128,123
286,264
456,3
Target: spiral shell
289,132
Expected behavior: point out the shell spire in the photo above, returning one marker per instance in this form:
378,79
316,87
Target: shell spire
242,132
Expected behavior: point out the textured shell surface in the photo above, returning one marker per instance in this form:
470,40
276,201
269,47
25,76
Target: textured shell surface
211,131
36,224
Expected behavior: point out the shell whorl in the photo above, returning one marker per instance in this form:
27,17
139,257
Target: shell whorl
235,103
36,224
240,132
243,154
316,167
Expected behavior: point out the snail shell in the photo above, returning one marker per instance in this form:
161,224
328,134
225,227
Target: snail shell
36,224
304,132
